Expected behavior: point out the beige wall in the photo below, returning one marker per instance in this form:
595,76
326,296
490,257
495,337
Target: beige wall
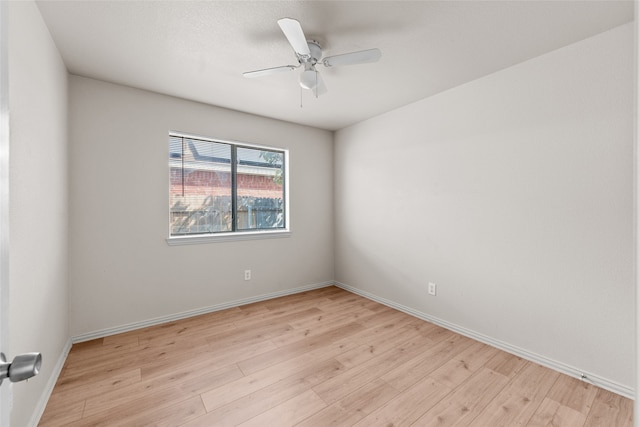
122,270
38,203
514,194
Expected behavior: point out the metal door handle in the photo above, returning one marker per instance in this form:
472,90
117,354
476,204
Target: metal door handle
23,367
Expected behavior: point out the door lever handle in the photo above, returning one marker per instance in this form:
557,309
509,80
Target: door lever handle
23,367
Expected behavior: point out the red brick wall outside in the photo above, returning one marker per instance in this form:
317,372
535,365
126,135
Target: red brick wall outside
214,183
258,186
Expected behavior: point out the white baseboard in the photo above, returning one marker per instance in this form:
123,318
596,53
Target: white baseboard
44,398
170,318
572,371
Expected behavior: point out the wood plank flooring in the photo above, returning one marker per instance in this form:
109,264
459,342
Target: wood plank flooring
319,358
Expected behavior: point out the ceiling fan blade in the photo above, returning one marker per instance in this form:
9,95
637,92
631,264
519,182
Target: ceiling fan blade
268,71
360,57
293,32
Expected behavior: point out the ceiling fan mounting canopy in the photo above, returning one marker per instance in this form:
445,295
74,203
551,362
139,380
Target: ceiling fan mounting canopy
309,54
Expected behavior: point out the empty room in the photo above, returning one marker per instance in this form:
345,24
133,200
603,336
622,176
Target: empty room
314,213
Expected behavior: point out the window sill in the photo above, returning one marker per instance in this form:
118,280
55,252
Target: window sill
226,237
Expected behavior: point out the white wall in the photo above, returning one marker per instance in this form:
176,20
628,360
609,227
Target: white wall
514,194
122,271
38,203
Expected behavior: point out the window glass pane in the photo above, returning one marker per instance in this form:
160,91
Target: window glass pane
260,189
200,193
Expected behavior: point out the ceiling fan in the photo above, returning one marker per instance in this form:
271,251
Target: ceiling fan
309,54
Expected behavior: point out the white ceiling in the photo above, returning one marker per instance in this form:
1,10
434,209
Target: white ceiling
199,50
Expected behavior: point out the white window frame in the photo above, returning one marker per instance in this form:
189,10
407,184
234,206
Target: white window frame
232,235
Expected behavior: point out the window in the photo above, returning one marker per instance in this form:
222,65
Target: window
221,188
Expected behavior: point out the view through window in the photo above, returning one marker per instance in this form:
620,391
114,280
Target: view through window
224,187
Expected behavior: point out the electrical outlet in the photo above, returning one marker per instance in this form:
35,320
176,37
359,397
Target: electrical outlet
247,275
432,289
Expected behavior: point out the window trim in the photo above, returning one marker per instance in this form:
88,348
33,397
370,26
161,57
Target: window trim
197,239
233,235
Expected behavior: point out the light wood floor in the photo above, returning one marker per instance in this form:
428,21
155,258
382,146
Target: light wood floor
320,358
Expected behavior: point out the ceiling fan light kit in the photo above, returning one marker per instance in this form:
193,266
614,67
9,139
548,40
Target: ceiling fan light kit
309,79
309,54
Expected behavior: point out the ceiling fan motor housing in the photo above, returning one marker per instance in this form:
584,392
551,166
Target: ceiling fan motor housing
316,53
